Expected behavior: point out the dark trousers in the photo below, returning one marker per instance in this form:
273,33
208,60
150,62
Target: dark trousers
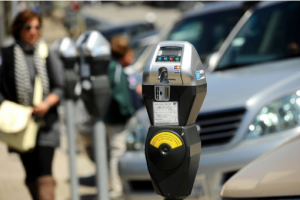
37,162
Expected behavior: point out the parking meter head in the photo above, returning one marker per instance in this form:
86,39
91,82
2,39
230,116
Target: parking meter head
180,59
174,73
66,50
96,51
94,56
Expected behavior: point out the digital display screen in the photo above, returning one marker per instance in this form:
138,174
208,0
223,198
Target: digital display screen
169,54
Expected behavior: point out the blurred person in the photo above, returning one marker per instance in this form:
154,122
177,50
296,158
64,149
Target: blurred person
121,108
28,57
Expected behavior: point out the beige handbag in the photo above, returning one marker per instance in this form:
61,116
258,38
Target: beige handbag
18,128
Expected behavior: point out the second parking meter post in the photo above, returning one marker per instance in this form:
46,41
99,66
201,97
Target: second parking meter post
95,56
66,50
174,88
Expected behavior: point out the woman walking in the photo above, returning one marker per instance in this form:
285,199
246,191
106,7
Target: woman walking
21,62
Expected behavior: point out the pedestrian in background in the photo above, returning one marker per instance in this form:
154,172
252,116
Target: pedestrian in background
20,63
120,110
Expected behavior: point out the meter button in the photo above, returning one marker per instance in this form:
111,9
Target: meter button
165,58
159,58
177,59
171,59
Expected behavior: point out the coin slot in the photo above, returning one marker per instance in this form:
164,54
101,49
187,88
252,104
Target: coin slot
167,97
162,93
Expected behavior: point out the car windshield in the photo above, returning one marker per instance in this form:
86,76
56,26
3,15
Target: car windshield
206,32
271,33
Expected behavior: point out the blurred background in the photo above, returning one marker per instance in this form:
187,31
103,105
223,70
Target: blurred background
65,18
250,51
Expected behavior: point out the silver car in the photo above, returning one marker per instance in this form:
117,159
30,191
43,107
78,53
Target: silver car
252,102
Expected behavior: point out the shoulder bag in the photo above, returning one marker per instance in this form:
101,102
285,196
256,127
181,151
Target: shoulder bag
18,128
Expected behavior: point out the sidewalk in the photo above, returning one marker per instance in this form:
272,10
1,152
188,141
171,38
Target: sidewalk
12,174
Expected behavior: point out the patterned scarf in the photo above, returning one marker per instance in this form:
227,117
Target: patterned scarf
22,77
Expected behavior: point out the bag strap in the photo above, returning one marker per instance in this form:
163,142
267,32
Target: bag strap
38,91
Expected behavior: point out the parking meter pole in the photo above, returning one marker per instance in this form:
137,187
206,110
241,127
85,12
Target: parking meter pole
69,105
66,50
174,88
100,153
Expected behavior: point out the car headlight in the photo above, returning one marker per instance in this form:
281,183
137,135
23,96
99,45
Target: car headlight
279,115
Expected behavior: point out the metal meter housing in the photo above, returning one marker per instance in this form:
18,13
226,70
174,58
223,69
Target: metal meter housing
174,73
95,55
66,50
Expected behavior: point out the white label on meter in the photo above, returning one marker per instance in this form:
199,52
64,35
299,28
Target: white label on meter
165,113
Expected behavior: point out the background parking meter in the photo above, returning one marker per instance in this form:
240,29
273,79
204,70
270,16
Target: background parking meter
174,88
67,52
94,58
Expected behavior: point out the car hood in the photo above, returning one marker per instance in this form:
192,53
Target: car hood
274,174
233,88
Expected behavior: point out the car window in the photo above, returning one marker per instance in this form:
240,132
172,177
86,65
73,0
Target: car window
137,51
138,30
109,34
191,31
271,33
206,32
130,32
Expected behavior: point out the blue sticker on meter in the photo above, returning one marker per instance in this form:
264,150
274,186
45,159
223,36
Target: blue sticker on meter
198,75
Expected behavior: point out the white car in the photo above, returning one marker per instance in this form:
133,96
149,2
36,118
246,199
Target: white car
274,176
252,102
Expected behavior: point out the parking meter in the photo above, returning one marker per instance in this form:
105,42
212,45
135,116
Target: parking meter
66,50
95,56
174,88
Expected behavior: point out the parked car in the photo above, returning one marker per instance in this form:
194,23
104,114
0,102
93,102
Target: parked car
251,104
205,27
274,175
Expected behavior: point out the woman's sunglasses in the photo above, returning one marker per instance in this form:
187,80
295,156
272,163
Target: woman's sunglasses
28,28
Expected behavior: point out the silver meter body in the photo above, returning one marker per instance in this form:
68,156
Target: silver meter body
174,66
95,55
181,62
